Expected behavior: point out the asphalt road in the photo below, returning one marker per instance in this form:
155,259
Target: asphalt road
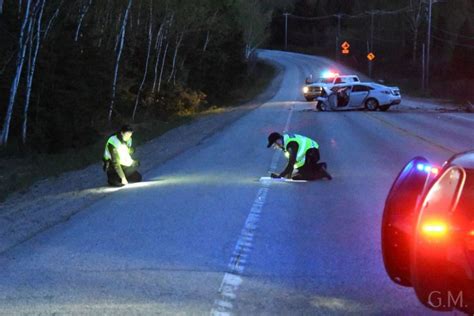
203,236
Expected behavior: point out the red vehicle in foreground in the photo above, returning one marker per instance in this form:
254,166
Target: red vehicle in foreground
428,232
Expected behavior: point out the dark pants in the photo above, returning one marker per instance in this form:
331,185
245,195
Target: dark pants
131,174
312,168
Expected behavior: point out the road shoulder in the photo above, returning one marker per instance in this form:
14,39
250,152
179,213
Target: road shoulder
55,200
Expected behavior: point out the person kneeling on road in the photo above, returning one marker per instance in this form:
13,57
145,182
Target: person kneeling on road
118,163
302,153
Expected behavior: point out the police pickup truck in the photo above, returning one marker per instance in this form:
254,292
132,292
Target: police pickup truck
313,90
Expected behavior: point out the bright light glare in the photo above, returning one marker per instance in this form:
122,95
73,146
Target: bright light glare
124,154
305,90
435,229
427,168
140,184
329,74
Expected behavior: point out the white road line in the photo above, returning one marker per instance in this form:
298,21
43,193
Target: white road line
232,280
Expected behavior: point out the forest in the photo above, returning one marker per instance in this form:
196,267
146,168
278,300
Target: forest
72,69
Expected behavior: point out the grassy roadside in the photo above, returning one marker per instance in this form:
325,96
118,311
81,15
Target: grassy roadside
19,173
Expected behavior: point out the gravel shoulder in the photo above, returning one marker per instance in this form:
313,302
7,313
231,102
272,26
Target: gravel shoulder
55,200
427,105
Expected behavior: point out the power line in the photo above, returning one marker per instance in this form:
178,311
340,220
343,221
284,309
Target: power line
454,34
451,42
345,15
312,18
386,40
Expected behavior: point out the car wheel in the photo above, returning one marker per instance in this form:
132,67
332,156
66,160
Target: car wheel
319,106
309,99
371,104
384,107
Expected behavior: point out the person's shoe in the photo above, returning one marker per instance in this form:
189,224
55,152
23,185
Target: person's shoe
297,177
326,174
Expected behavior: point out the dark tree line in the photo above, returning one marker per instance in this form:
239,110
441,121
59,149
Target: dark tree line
69,67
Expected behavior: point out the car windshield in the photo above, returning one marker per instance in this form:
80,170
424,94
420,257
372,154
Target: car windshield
442,194
326,80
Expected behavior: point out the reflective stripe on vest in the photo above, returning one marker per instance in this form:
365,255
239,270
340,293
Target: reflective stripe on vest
304,144
123,150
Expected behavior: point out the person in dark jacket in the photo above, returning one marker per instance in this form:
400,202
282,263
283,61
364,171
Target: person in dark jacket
119,165
302,153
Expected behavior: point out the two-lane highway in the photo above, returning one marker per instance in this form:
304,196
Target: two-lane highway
202,235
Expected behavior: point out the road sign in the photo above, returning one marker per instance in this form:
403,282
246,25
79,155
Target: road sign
371,56
345,48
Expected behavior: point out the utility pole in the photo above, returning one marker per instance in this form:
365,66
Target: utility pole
338,35
372,31
423,70
369,61
286,30
428,44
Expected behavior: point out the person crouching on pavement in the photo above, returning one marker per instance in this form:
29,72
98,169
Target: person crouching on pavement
302,153
119,165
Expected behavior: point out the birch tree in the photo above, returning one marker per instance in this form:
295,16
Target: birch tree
52,19
117,61
31,69
158,46
170,23
208,33
150,25
84,10
22,44
162,67
179,40
253,21
415,17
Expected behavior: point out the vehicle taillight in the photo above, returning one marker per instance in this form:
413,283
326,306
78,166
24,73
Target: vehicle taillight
435,229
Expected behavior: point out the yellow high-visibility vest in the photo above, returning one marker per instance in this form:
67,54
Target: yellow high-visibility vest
304,144
123,150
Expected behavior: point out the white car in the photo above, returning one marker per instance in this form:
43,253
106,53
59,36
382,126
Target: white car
315,89
368,95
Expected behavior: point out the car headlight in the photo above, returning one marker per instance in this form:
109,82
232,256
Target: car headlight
305,90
